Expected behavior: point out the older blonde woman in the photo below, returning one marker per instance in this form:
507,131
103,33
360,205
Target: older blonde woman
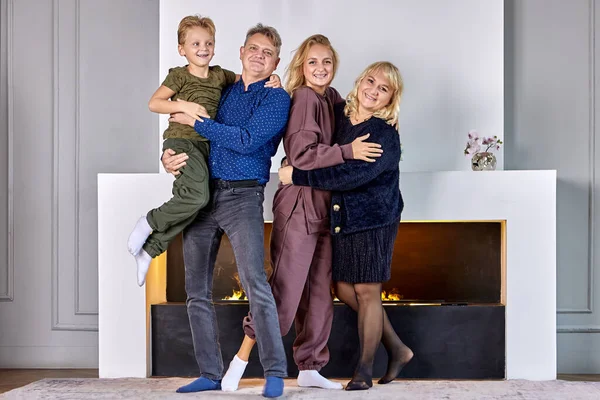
365,213
300,239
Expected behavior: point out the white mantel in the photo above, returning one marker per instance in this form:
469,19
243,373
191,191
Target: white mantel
526,200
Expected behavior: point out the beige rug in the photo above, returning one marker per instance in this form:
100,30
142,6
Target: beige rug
164,388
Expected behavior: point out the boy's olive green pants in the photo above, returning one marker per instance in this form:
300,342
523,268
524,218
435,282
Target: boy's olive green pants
190,195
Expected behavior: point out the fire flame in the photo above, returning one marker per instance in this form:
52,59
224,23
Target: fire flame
240,295
237,295
393,295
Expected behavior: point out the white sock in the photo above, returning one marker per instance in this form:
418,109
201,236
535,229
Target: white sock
312,378
234,373
138,237
143,260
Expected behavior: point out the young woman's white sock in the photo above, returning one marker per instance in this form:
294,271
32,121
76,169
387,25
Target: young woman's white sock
312,378
234,373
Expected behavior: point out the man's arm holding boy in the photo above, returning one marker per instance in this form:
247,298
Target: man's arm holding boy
266,122
161,103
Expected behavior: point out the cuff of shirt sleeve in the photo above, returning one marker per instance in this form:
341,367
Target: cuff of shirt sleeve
347,152
300,177
200,127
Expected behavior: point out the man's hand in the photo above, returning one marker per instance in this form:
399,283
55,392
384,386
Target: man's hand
183,119
285,174
274,81
193,110
171,162
365,151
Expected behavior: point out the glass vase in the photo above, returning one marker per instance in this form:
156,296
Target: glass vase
484,161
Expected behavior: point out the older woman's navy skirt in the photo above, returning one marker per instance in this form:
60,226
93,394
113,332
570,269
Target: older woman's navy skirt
364,257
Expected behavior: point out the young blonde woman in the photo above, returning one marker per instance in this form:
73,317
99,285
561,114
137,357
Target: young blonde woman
365,213
300,239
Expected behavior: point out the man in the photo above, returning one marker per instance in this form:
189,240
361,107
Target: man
244,136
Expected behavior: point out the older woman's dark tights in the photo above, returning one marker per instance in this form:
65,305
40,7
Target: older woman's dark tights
398,353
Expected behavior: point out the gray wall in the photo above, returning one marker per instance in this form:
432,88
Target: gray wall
76,76
550,121
441,74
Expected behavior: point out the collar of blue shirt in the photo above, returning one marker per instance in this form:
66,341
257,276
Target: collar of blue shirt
253,86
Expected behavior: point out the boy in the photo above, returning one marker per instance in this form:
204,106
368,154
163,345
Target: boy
189,90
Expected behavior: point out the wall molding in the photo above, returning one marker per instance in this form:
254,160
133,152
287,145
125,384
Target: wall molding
589,308
55,270
7,15
77,308
578,329
78,320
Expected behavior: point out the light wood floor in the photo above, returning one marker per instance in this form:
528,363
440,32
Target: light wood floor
14,378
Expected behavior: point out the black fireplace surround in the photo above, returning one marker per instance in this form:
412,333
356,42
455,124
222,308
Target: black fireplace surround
447,305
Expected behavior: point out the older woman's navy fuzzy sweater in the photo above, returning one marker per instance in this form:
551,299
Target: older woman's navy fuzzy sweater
365,195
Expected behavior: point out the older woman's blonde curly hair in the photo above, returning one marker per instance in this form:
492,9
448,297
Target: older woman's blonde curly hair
389,113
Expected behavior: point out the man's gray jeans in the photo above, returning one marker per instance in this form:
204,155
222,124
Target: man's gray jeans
237,212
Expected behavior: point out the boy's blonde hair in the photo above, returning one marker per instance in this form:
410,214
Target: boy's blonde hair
192,21
268,31
295,70
390,112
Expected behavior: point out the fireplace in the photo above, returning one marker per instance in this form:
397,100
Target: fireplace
511,334
433,263
446,277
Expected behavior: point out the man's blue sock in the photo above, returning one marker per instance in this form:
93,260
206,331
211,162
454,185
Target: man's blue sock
200,385
273,387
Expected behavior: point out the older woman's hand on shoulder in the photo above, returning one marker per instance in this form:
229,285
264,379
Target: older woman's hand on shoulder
365,151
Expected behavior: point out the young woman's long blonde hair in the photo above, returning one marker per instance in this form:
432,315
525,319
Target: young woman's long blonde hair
295,73
389,113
